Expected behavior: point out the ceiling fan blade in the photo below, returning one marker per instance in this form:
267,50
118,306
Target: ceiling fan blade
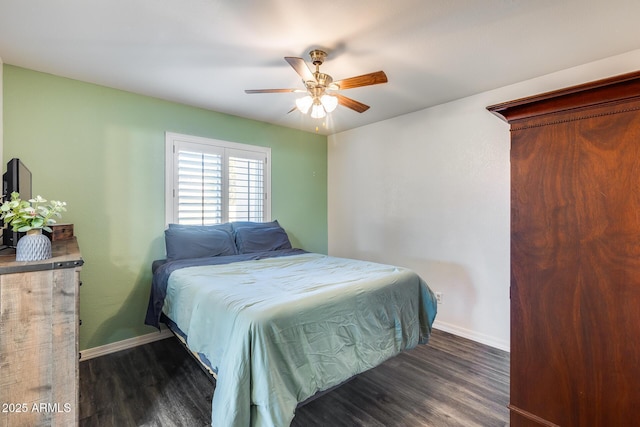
301,68
351,103
273,90
363,80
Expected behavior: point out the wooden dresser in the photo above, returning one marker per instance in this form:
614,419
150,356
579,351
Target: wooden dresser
39,338
575,255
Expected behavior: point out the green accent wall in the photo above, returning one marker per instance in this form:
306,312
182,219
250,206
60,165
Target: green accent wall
102,151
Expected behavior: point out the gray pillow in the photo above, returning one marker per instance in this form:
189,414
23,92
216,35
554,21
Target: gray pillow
194,241
226,227
257,239
252,224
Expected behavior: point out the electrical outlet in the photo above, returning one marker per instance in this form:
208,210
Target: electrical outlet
439,297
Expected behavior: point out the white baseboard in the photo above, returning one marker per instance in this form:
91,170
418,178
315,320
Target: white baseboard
473,335
102,350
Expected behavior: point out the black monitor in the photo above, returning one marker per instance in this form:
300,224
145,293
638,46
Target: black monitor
16,179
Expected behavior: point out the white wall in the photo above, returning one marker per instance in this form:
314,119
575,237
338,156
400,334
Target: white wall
430,191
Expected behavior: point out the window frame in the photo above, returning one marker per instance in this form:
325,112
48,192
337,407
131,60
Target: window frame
209,145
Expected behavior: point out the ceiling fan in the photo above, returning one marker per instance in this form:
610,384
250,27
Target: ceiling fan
321,91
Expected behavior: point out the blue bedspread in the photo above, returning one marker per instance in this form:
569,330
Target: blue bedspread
162,269
278,330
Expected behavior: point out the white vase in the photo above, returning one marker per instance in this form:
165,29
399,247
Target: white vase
33,246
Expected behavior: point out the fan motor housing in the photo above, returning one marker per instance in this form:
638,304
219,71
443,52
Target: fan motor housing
322,79
317,56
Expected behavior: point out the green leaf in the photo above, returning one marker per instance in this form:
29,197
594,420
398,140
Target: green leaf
23,215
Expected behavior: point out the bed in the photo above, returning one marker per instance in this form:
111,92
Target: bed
277,325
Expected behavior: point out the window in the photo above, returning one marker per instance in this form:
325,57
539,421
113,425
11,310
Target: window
210,181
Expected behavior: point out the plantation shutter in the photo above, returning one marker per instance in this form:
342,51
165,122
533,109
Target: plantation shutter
246,186
211,181
199,188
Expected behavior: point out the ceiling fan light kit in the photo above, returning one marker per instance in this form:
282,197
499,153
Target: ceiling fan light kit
321,98
303,104
317,111
329,102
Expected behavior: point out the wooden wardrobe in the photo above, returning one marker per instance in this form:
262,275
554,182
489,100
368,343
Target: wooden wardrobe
575,255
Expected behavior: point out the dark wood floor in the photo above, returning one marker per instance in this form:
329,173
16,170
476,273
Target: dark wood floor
449,382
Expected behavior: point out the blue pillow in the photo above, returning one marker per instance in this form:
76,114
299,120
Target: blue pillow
225,227
257,239
252,224
184,241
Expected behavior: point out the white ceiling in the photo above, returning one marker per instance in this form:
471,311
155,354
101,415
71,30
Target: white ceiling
206,52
